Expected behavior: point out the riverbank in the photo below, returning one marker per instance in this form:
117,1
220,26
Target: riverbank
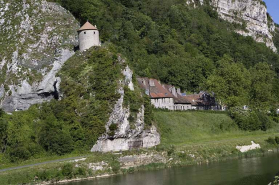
188,138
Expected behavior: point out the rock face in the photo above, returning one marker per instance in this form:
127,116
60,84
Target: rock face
253,13
36,38
247,148
125,137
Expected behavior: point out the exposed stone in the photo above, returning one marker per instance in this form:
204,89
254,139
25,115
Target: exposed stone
125,137
247,148
254,13
2,91
39,38
128,73
142,159
98,166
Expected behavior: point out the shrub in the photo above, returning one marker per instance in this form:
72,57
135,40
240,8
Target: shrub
131,170
271,140
277,139
67,170
112,128
170,150
250,120
19,153
80,171
115,165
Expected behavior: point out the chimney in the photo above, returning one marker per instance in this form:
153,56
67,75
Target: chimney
173,91
143,81
179,91
151,83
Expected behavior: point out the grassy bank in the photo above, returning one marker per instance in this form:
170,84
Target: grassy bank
197,137
187,138
198,128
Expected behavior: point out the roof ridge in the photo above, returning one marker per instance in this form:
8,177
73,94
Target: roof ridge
88,26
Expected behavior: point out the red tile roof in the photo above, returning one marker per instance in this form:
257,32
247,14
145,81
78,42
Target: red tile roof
156,90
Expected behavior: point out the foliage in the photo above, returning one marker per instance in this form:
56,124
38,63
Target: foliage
187,47
112,128
230,82
67,170
251,120
89,87
272,141
148,112
115,165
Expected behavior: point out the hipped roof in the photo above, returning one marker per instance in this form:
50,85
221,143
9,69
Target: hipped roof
87,26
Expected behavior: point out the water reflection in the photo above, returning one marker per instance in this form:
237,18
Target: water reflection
251,171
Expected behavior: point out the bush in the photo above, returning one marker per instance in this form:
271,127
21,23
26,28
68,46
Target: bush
67,170
80,171
277,139
19,153
170,150
250,120
271,140
115,165
112,128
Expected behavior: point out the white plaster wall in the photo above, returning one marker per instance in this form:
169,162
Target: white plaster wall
163,103
183,107
88,38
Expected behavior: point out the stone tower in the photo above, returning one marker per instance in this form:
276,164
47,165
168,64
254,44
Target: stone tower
88,36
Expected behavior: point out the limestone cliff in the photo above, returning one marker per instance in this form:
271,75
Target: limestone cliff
126,137
36,38
252,13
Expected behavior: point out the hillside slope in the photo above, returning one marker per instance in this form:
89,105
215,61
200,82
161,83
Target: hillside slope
253,14
37,37
178,43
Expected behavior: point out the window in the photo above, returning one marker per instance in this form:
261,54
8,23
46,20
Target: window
94,32
85,32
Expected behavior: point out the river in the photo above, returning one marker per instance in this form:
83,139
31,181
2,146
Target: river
246,171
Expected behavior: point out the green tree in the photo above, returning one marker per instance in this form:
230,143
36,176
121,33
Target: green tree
230,83
262,78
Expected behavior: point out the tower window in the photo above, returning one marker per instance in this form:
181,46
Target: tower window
85,32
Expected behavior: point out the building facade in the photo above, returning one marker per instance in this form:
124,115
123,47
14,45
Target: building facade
88,36
169,97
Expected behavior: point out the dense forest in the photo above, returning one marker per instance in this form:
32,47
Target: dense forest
188,47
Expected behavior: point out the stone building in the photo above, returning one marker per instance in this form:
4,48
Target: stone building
202,101
88,36
160,97
169,97
180,103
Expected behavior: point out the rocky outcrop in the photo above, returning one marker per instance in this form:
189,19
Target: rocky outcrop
253,13
247,148
125,137
132,161
38,37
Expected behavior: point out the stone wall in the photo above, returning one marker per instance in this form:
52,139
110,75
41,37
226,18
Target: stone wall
88,38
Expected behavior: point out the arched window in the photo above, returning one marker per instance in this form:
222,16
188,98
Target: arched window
85,32
94,32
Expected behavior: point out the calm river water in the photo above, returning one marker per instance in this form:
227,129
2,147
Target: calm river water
250,171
